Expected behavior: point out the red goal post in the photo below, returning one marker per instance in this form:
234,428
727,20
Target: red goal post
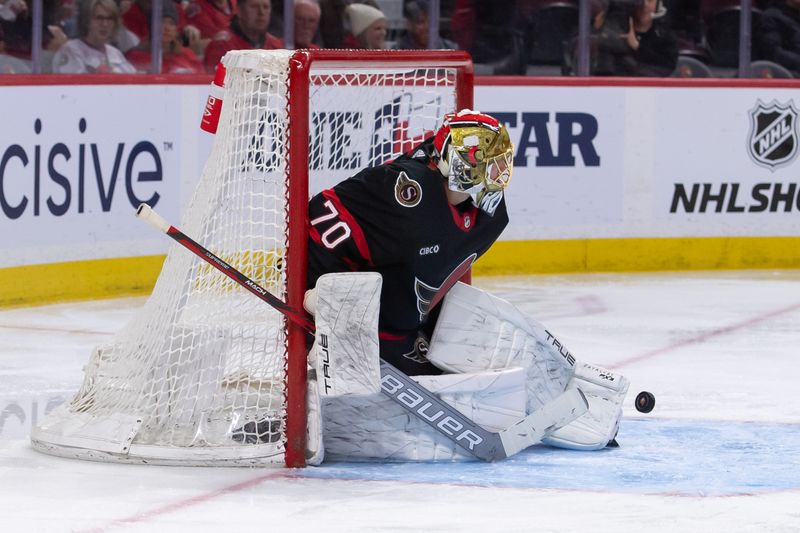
193,377
299,82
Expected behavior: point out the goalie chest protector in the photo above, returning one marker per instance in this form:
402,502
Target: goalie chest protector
395,219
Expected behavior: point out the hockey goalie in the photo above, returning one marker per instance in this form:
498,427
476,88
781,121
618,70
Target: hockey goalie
386,249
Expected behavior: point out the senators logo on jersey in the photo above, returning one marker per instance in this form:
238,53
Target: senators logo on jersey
407,192
428,297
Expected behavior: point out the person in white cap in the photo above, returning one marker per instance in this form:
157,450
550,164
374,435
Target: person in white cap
368,25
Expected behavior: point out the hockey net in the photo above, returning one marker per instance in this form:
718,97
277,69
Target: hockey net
206,373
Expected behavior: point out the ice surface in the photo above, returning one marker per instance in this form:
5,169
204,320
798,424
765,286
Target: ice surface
720,452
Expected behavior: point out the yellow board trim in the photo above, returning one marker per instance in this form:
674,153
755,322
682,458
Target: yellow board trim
78,280
108,278
639,255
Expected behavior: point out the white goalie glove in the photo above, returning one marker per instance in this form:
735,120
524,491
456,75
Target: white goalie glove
605,391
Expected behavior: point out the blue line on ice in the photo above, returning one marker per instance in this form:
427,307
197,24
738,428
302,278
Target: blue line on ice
656,456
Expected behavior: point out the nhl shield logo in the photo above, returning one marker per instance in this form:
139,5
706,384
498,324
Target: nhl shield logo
772,142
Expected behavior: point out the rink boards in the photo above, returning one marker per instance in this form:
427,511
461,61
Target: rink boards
609,176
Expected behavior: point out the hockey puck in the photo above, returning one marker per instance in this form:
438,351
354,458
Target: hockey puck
645,401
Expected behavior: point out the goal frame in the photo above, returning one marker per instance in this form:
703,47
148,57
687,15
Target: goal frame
300,66
205,375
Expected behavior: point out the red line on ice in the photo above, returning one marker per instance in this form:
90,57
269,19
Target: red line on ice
180,505
706,336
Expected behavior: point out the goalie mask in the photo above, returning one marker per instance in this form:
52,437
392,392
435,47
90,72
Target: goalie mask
476,156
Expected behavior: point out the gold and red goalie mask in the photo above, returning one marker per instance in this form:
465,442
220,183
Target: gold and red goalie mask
476,156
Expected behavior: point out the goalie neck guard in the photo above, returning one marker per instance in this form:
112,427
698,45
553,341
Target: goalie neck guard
475,154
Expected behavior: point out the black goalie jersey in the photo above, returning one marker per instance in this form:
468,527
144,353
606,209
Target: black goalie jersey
395,219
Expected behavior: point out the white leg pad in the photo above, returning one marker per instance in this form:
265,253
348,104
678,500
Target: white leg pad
494,400
605,391
477,331
376,428
345,353
315,448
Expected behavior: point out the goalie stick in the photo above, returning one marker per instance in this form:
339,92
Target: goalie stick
481,443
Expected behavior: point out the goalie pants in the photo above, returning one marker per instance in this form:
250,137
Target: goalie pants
407,352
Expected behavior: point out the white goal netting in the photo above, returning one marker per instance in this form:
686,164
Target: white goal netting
198,377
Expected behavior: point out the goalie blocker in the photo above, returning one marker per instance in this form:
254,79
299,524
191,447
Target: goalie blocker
350,419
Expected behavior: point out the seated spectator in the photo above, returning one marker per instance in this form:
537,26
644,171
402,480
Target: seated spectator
175,58
210,16
125,39
462,23
367,26
779,37
17,22
631,43
416,36
654,43
136,17
684,18
248,30
306,23
493,33
10,64
332,23
10,9
98,21
69,18
276,18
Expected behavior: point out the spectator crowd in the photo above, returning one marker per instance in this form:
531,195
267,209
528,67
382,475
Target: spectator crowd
512,37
